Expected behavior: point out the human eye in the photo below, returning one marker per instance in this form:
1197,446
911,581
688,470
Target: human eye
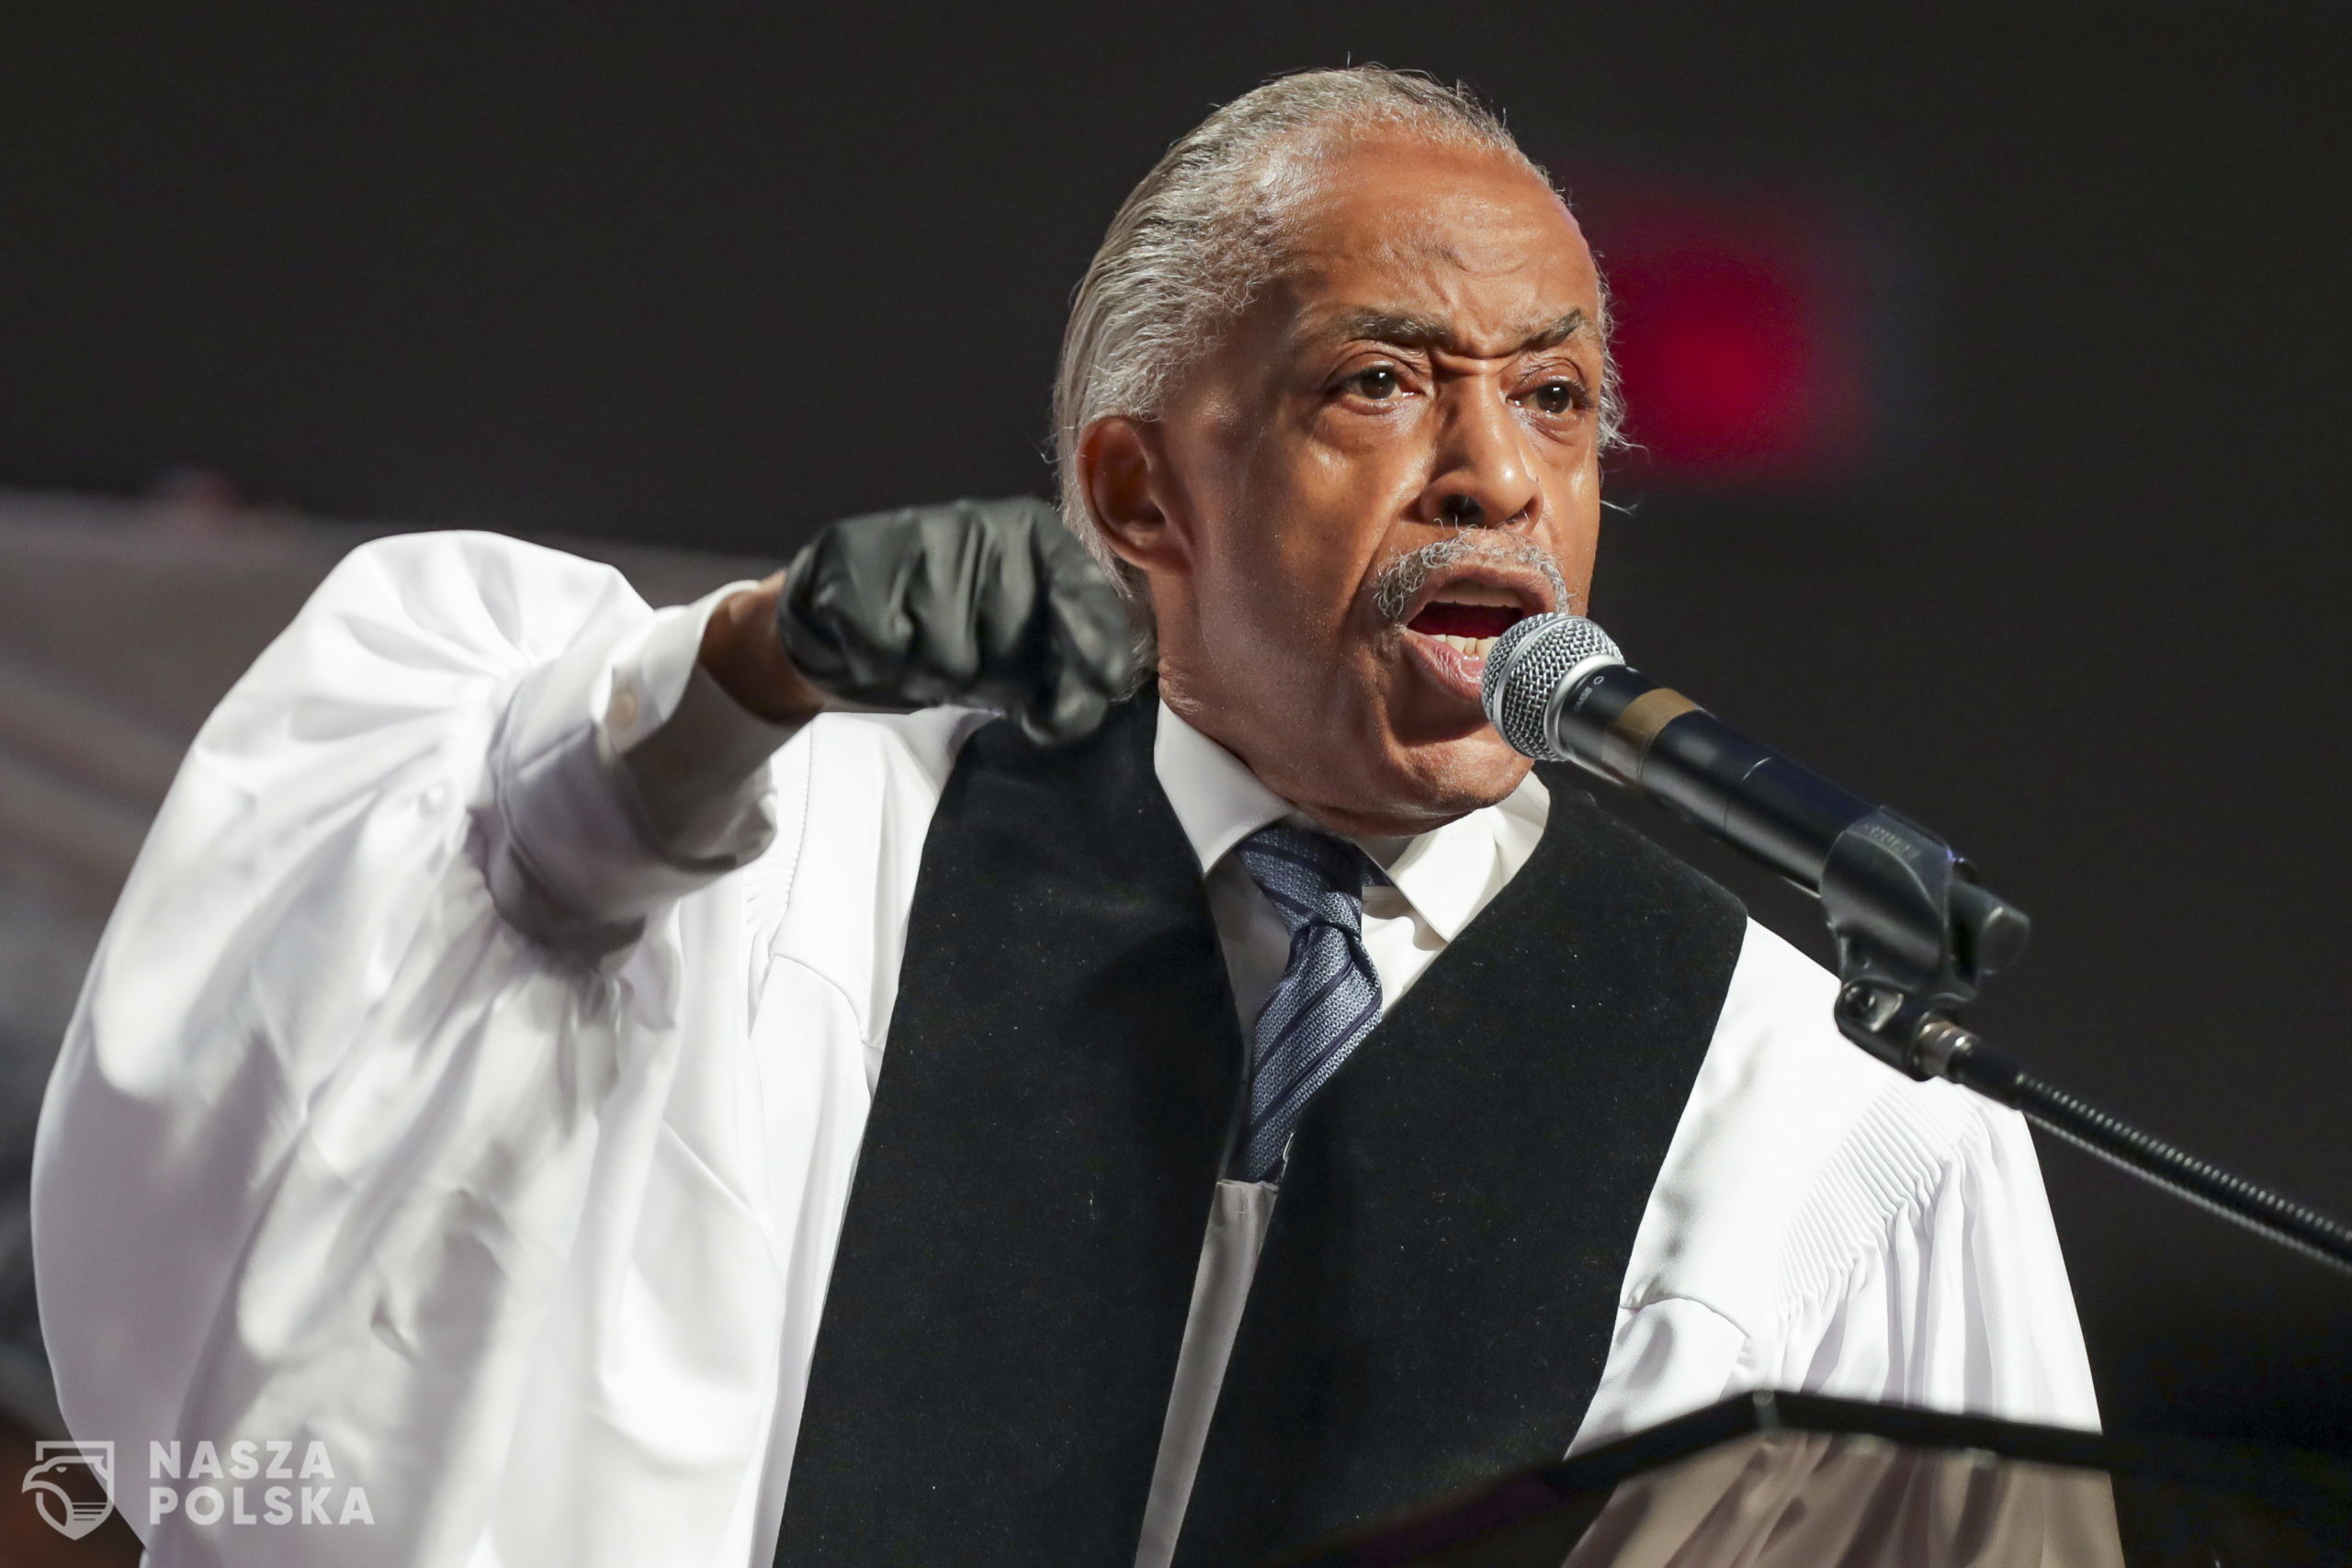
1558,395
1374,383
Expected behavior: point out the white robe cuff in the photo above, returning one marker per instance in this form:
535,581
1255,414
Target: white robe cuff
623,778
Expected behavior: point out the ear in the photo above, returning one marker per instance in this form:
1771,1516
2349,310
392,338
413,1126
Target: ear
1121,466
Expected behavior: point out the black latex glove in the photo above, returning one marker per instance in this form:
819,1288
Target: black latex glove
980,603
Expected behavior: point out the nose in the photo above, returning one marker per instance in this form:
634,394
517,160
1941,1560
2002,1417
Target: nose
1482,475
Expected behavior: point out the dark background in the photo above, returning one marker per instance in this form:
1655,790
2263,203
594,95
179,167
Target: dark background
710,277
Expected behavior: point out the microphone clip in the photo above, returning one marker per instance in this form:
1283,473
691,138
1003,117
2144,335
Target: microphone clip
1917,935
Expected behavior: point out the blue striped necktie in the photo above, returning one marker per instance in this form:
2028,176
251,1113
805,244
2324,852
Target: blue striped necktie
1329,997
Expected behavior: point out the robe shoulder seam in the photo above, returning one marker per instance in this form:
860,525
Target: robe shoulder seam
1892,1163
865,1029
1633,1306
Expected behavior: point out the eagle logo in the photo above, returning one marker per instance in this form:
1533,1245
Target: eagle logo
61,1481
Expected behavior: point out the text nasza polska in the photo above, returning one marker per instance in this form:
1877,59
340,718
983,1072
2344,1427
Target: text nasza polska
247,1461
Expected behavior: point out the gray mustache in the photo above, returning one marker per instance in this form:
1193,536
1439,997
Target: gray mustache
1400,580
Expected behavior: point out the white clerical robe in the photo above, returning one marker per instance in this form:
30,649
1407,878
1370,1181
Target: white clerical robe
351,1143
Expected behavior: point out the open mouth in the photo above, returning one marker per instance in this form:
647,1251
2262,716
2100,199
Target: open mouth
1466,628
1452,633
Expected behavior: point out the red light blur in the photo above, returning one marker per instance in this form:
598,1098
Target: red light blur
1741,335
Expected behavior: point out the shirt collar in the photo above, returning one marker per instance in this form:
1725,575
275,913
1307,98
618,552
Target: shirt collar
1218,801
1446,874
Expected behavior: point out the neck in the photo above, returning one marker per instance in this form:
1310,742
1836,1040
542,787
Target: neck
1306,788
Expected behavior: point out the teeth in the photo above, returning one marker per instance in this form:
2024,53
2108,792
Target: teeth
1476,647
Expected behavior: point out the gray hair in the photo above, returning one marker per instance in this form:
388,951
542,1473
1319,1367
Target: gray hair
1198,238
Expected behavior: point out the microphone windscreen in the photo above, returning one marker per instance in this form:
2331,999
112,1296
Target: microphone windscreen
1526,666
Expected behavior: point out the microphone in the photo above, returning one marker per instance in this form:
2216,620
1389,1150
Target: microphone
1907,911
1916,933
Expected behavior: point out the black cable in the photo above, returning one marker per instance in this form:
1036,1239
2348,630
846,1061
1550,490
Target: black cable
1997,1077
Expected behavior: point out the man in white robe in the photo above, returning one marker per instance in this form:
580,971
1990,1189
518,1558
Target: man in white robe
474,1073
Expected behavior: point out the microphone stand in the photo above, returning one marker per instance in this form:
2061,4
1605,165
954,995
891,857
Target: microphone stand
1916,937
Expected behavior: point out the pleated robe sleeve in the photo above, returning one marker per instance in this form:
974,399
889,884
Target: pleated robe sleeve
1823,1224
336,1153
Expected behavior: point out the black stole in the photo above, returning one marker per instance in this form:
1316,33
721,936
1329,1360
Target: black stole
1437,1292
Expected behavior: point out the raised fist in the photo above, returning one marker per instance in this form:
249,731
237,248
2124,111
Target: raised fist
977,604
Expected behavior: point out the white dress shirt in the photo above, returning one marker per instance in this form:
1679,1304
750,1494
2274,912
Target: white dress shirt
1436,882
533,1230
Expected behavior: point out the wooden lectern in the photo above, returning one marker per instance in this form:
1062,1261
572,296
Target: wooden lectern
1793,1481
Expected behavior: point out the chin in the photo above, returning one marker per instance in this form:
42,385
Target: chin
1418,759
1428,784
1463,774
1383,759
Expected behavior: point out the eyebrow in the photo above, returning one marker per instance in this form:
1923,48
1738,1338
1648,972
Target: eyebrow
1406,330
